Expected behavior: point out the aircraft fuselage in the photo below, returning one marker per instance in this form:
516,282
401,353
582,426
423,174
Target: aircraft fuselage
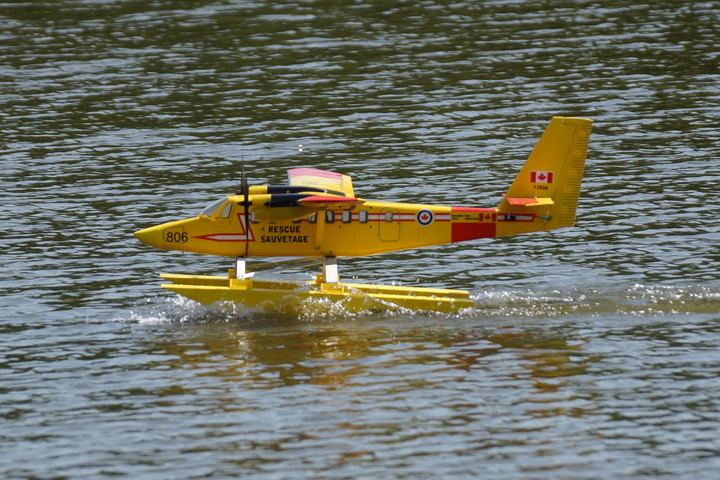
357,230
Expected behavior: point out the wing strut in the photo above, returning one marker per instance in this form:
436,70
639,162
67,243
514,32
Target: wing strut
319,227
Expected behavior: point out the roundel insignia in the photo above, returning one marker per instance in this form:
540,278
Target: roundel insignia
425,217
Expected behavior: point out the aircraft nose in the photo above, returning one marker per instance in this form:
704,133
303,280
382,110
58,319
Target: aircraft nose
151,236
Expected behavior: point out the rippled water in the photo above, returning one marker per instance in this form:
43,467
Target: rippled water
592,351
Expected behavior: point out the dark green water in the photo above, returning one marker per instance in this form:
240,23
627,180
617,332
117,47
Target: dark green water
592,353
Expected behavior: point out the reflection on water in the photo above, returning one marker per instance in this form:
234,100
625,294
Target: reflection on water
590,353
380,393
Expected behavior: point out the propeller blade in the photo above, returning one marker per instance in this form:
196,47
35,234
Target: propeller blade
246,205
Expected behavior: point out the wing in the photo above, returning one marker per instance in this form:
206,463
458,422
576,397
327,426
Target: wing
323,202
312,177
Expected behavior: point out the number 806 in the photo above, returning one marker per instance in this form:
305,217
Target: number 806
176,237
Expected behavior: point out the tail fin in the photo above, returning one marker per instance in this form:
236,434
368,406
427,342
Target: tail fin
545,194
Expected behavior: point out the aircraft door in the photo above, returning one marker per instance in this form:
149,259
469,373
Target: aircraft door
222,221
389,225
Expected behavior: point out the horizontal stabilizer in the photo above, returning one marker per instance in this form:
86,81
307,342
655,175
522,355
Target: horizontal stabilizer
530,201
312,177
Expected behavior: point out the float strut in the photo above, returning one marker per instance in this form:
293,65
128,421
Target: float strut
330,270
240,272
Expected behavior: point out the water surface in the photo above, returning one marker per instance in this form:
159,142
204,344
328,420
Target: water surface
592,351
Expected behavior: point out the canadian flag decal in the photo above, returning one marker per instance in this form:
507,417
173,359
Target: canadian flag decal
537,176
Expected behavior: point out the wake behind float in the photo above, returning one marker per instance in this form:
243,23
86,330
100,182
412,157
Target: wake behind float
317,216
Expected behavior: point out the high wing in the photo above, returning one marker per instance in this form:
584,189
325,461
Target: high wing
325,202
331,181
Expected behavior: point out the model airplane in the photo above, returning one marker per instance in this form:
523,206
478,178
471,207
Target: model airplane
317,215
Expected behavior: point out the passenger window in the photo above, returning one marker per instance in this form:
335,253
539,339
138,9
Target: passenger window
363,216
347,216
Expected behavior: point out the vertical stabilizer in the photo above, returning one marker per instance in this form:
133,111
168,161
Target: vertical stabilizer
548,186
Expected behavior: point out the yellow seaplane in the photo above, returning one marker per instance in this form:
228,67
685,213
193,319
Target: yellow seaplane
318,218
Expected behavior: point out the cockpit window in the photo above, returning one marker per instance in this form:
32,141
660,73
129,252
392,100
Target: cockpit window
212,209
226,210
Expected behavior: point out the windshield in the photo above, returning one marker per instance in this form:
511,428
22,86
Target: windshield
213,207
